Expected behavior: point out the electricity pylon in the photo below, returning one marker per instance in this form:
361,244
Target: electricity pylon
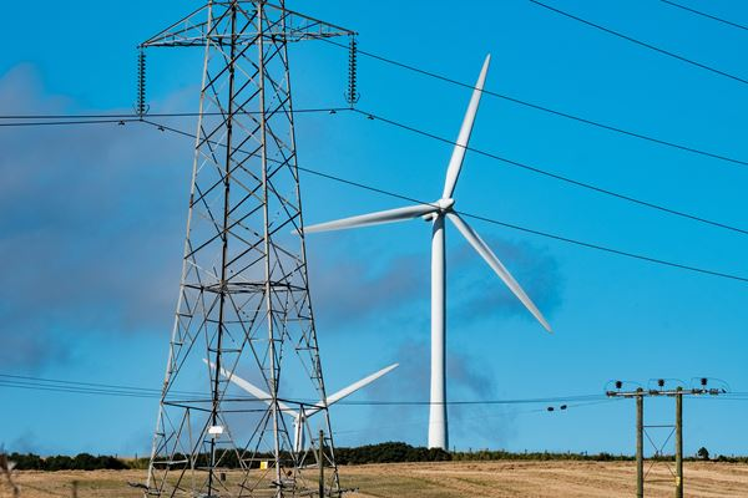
244,301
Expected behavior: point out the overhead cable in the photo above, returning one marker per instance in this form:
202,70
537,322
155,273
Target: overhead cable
22,124
556,176
527,167
549,110
84,118
704,14
540,233
641,43
66,386
504,224
483,416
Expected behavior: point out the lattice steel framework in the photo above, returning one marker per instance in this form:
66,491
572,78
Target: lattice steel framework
244,300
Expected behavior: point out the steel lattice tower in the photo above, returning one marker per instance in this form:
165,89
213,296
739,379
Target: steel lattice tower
244,303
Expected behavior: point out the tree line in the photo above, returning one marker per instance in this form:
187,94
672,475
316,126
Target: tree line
82,461
390,452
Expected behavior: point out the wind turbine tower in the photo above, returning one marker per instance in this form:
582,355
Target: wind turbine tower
436,212
244,296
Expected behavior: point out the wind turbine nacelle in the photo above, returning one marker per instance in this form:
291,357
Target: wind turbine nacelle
443,205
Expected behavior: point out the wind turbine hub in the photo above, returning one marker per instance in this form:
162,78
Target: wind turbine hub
445,204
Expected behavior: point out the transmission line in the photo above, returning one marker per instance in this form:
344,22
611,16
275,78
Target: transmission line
512,226
92,388
433,136
555,176
540,233
557,399
76,390
490,155
610,250
641,43
22,124
76,385
568,407
114,117
704,14
66,386
548,110
560,238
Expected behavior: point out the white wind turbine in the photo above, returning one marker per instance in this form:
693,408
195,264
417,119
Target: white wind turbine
436,212
302,414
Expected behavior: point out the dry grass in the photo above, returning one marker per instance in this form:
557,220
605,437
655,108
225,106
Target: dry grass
542,479
449,480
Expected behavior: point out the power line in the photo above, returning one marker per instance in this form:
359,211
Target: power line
527,167
25,378
729,398
555,112
66,386
555,176
19,120
512,226
540,233
704,14
549,235
90,388
571,406
610,250
641,43
557,399
65,123
75,390
433,136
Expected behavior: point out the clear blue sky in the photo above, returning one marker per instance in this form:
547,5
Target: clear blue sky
93,218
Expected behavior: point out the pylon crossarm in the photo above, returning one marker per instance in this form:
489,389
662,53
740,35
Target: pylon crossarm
197,29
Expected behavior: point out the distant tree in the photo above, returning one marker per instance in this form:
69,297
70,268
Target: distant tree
27,462
703,453
59,462
85,461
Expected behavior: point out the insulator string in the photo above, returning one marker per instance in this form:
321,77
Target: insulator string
141,106
352,96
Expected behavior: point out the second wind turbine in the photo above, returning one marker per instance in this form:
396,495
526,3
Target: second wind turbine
436,212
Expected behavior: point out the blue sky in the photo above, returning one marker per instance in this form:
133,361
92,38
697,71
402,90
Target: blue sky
93,218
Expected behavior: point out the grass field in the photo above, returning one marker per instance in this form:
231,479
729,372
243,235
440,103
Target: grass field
449,480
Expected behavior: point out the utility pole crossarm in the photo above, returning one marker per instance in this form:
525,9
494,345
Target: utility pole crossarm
670,393
195,29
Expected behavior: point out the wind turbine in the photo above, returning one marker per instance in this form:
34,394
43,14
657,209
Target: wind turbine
436,212
301,415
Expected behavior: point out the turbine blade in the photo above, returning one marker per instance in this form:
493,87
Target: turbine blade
378,218
344,393
253,390
474,239
463,139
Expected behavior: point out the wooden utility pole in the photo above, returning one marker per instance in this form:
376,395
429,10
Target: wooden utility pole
679,443
640,444
321,460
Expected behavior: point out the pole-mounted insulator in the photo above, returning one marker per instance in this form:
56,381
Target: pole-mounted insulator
141,105
351,95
